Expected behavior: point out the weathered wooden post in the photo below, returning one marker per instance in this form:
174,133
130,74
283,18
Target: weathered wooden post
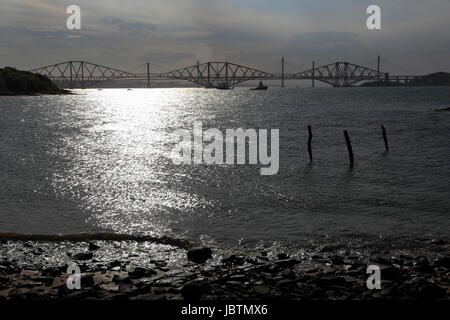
309,144
349,147
385,138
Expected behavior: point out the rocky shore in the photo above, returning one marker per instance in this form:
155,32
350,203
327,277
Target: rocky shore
36,270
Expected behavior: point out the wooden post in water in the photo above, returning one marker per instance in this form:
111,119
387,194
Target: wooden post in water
349,147
385,138
309,144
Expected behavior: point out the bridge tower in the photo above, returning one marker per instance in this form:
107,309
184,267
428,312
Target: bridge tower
313,73
378,69
282,72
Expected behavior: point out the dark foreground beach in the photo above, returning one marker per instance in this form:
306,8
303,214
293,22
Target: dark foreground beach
36,270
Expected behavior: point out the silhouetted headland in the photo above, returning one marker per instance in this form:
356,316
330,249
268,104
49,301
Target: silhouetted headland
16,82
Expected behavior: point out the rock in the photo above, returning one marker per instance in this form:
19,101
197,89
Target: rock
443,262
52,272
422,261
140,272
337,260
282,256
288,263
93,246
331,281
438,242
173,290
233,259
115,263
390,273
234,283
87,280
82,256
112,287
239,277
194,289
382,260
330,247
262,290
121,277
199,254
286,283
160,290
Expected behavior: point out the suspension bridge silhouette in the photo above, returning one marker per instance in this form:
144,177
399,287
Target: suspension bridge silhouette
221,75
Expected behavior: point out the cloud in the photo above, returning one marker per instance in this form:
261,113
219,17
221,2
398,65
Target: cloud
175,33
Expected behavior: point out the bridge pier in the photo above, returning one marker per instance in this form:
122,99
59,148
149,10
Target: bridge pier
148,74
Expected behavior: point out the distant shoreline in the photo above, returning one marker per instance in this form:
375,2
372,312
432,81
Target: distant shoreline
15,82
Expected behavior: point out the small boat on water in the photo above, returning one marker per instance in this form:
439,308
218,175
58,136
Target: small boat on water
261,86
223,86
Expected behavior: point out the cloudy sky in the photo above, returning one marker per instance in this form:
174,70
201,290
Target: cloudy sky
414,39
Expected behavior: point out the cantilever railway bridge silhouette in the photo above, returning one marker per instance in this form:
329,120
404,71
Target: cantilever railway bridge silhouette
222,75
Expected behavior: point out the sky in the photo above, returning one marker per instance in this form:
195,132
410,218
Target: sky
171,34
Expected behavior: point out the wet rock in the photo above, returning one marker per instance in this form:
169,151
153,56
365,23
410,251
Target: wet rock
286,283
93,246
123,278
288,263
262,290
234,283
173,290
239,277
140,272
87,280
390,273
282,256
112,287
233,259
330,281
384,260
160,290
52,272
337,260
194,290
159,263
83,256
422,261
199,254
115,263
443,262
331,247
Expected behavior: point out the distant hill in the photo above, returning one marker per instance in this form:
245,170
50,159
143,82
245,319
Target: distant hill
433,79
16,82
